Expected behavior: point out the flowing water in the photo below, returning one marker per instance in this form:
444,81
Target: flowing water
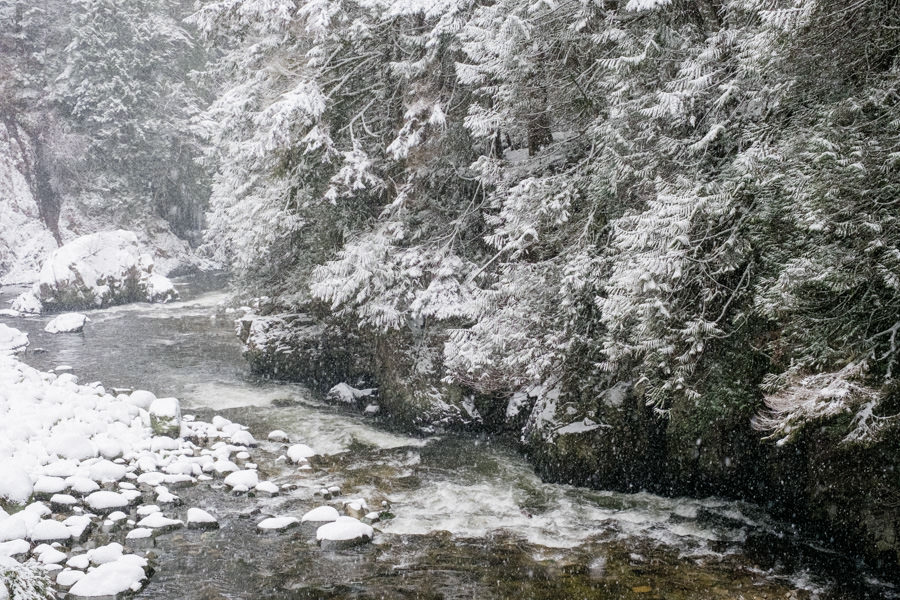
466,517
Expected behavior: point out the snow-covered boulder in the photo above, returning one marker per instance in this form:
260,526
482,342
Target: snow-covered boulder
321,514
104,501
12,340
165,417
300,453
160,522
246,479
16,486
113,578
200,519
27,303
67,323
48,530
141,399
94,271
273,524
343,533
278,436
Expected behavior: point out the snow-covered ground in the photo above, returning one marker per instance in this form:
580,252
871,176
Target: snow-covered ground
76,459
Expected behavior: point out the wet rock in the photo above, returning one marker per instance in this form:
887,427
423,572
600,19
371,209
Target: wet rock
165,417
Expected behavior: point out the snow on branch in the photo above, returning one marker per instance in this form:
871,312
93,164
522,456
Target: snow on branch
815,398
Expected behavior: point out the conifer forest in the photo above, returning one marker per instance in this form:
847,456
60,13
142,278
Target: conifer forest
444,299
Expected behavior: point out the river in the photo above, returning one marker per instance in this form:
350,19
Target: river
470,517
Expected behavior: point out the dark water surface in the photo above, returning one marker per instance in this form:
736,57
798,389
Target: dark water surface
470,517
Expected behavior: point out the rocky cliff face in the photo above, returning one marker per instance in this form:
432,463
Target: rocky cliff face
25,238
35,220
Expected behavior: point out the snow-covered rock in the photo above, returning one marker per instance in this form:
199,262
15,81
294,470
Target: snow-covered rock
200,519
278,436
321,514
160,522
48,530
223,466
104,501
356,507
344,532
105,471
141,398
277,524
48,486
50,555
79,525
123,575
13,528
62,502
299,453
268,488
139,533
72,446
68,577
247,478
243,438
27,304
16,547
165,417
66,323
105,554
94,271
82,485
12,340
15,483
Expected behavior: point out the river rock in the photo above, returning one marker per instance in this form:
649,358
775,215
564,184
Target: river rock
165,417
246,479
321,514
200,519
275,524
160,523
66,323
300,453
278,436
344,532
356,508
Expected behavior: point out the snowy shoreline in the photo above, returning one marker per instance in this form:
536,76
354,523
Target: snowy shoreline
78,463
